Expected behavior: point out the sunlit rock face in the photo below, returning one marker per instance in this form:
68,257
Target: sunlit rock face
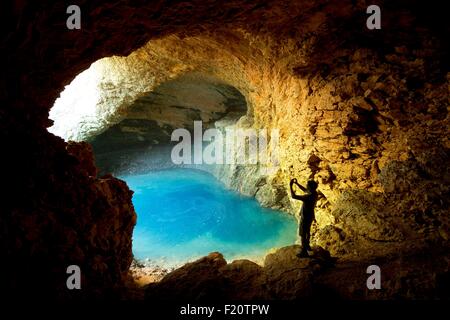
364,113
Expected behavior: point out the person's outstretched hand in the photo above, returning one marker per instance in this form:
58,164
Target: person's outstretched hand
293,181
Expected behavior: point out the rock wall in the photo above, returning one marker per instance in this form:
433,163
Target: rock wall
346,117
365,113
49,224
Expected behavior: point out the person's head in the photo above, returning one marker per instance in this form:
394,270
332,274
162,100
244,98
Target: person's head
311,185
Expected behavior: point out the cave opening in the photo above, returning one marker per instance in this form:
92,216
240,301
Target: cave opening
184,211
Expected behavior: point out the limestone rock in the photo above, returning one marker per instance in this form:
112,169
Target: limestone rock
290,277
363,214
84,154
245,281
199,280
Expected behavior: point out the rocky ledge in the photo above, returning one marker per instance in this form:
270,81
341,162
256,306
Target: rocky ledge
285,276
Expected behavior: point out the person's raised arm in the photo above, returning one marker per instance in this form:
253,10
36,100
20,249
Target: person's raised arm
291,183
296,196
301,187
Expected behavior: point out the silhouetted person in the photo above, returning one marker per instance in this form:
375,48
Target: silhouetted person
306,213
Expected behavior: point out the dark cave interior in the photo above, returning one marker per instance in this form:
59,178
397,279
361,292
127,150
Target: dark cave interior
363,112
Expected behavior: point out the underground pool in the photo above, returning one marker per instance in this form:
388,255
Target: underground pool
184,214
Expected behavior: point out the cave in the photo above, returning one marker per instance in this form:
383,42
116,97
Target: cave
182,213
362,112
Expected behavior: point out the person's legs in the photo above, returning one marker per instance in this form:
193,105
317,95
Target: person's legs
302,228
307,235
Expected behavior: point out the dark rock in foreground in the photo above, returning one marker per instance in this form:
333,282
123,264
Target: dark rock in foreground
284,276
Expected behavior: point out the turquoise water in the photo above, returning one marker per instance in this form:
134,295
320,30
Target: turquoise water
184,214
